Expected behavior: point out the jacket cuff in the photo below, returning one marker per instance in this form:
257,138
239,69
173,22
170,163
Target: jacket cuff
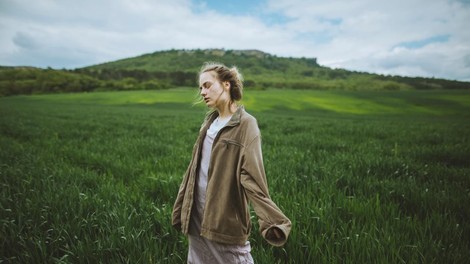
277,242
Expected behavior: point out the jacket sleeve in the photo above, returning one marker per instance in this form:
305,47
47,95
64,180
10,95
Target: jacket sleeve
253,180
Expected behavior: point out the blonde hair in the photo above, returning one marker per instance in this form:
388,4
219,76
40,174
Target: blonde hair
225,74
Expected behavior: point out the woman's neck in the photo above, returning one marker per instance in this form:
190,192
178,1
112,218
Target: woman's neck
227,110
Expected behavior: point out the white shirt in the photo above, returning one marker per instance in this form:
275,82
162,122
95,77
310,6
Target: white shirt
215,127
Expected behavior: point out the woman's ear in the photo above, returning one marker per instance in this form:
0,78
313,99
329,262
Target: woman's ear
226,85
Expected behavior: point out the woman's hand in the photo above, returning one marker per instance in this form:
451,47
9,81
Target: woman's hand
275,233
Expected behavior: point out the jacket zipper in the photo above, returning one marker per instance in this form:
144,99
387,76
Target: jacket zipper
216,139
209,170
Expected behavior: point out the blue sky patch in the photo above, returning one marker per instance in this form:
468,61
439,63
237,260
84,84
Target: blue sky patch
231,7
254,8
424,42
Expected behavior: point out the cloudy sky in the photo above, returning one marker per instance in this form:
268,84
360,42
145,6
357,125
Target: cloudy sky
428,38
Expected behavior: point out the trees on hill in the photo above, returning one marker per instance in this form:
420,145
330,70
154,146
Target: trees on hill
176,68
33,81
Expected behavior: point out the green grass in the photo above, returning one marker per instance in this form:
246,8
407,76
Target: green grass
437,102
365,177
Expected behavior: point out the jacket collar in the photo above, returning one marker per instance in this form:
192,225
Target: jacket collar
234,121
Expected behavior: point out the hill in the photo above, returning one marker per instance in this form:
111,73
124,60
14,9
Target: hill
173,68
263,70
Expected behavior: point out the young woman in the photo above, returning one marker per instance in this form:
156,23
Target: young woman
225,173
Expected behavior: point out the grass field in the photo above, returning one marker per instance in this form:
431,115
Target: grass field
365,177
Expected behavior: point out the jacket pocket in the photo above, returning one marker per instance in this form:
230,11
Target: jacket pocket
229,142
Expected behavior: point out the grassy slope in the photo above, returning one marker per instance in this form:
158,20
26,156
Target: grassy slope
436,102
365,177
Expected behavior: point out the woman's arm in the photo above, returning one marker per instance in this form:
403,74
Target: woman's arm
274,225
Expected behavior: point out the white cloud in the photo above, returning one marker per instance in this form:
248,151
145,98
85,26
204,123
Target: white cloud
369,31
80,33
360,35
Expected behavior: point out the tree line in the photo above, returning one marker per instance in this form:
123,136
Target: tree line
28,80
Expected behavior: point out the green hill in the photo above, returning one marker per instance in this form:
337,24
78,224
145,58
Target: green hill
263,70
174,68
252,62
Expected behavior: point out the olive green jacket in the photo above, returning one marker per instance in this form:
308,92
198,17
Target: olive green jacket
236,175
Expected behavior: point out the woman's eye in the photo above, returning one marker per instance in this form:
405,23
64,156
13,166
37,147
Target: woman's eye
205,85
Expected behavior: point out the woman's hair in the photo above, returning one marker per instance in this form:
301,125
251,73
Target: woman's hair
225,74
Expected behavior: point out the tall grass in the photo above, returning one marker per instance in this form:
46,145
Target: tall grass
91,178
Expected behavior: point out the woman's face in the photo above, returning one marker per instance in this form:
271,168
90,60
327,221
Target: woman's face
214,92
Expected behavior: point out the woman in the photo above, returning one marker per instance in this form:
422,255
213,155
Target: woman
225,173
